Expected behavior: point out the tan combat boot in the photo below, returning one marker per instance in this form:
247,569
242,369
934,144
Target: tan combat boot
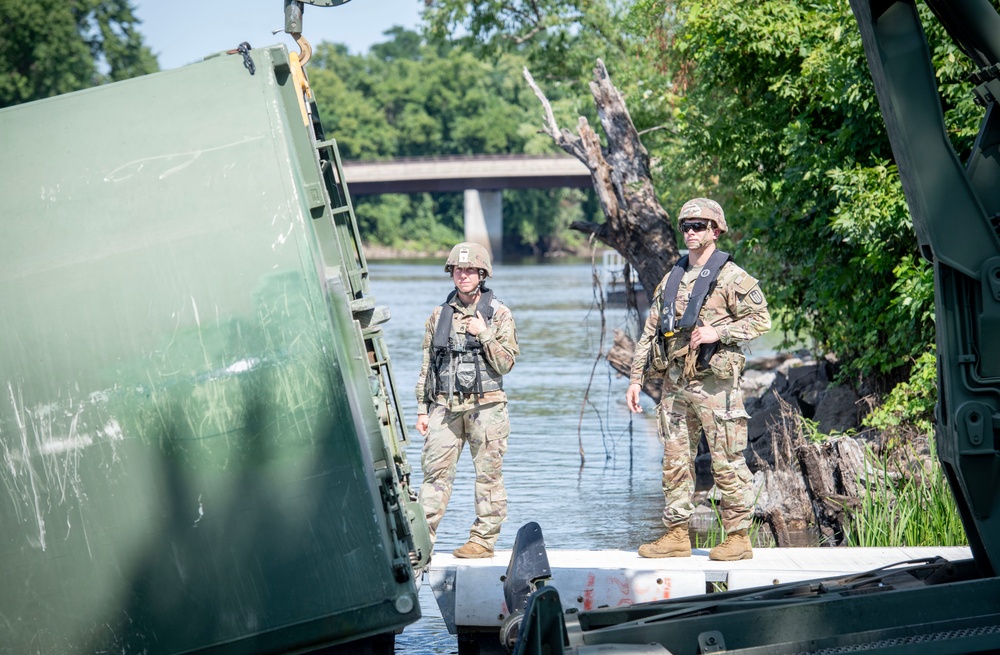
736,546
675,543
472,550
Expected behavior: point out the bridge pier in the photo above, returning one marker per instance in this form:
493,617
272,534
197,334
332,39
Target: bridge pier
484,220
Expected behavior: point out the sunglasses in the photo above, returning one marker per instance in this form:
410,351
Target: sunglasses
697,226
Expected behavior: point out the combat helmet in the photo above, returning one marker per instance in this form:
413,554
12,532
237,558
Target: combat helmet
703,208
469,255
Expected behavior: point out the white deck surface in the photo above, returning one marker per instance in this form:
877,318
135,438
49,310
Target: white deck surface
470,591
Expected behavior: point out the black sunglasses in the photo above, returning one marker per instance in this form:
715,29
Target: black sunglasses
697,226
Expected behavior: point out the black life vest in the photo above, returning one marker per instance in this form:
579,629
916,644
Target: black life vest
459,365
699,294
702,288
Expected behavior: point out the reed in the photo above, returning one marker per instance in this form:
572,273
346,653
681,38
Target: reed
904,510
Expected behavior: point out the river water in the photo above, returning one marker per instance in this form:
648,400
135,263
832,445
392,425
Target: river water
610,498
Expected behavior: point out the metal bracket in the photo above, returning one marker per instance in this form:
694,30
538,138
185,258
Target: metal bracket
711,641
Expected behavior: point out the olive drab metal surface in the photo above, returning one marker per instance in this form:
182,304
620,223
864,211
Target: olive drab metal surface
200,442
955,211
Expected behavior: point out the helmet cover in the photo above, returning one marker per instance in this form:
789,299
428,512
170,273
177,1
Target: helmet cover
469,255
703,208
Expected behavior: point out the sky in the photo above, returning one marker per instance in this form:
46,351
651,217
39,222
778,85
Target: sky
181,32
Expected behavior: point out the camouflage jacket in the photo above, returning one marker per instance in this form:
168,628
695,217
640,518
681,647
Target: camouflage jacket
500,348
736,307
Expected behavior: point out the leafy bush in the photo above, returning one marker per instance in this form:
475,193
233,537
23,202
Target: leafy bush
910,403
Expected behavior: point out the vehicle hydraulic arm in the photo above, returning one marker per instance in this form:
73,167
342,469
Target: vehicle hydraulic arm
956,215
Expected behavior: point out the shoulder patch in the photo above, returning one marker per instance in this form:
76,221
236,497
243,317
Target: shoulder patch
756,297
745,284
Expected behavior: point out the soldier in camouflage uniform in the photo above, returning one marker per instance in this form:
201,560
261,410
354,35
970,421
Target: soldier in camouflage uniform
460,397
698,354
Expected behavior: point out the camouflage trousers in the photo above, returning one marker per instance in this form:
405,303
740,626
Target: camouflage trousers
715,407
485,429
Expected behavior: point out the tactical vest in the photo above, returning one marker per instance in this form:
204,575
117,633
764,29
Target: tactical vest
669,325
458,364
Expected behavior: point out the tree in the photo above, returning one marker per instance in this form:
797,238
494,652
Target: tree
636,224
779,106
49,47
560,38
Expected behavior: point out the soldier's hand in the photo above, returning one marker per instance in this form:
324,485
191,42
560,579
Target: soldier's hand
703,334
632,397
422,422
475,324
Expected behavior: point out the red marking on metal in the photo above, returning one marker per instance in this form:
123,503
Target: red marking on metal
588,593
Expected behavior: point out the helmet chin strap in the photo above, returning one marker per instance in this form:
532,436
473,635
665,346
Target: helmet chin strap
705,238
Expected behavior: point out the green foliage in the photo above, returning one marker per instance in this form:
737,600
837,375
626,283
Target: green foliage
559,39
539,219
49,47
812,434
910,403
781,108
911,511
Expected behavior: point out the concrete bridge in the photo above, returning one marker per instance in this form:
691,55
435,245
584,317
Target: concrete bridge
480,177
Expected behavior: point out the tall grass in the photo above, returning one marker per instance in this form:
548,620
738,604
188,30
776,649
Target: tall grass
904,510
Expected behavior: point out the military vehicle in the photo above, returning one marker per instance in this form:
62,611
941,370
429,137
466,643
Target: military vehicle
934,606
201,448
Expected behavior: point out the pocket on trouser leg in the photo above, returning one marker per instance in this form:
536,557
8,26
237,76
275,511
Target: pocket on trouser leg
734,425
732,476
496,422
493,503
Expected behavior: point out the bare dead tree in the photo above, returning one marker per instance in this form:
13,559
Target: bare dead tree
636,224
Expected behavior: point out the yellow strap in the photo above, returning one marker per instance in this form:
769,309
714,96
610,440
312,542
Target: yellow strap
301,85
691,364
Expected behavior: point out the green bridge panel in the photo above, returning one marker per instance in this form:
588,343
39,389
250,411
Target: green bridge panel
189,432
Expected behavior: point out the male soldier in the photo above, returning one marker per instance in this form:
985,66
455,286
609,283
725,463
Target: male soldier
469,345
701,312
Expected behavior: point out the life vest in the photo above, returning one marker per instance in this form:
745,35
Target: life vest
702,288
458,365
669,325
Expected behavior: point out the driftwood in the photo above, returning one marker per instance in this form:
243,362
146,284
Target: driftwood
636,225
806,484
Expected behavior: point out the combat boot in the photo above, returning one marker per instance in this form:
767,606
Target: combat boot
472,550
736,546
675,543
